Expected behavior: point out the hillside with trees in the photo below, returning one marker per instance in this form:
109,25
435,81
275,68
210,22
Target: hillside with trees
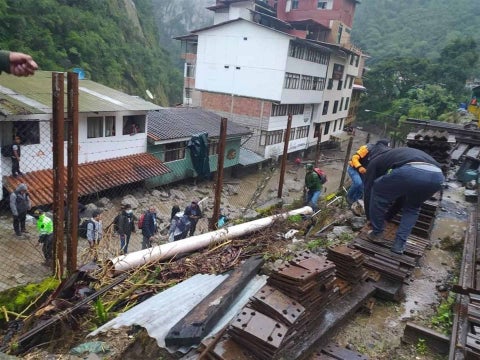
115,42
422,52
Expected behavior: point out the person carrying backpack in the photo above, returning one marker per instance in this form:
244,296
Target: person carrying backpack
149,227
313,187
125,226
179,226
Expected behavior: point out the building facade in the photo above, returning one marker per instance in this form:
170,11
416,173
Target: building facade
262,61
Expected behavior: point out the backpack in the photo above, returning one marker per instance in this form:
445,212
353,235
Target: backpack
321,175
140,221
7,150
82,228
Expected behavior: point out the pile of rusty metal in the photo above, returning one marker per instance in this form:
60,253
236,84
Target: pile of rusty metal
438,144
348,262
281,311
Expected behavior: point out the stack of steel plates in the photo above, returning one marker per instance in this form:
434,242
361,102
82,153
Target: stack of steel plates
348,262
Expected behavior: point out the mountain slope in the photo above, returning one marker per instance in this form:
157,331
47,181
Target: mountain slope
417,28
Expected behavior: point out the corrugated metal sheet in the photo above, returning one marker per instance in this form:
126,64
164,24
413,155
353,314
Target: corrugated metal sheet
162,311
92,177
177,123
33,95
248,157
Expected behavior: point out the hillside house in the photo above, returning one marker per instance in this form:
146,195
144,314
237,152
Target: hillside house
263,60
170,130
112,136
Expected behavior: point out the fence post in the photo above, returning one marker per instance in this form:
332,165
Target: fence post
284,156
345,163
219,183
72,172
58,116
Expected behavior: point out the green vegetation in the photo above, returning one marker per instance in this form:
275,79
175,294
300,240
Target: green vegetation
102,315
421,347
17,301
115,42
443,319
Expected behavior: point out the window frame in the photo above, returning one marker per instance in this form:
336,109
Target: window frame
174,151
95,124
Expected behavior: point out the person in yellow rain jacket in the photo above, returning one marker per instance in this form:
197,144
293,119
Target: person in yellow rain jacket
357,167
45,231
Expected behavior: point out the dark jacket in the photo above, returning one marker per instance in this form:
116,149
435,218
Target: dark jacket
312,181
391,159
20,204
193,211
149,227
126,223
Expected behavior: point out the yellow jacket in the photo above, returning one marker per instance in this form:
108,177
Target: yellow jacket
356,161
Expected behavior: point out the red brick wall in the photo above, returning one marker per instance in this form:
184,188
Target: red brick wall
241,105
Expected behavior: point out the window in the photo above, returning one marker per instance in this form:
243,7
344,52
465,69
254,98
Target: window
175,151
302,132
317,131
346,103
357,60
109,126
133,124
292,134
188,93
29,132
212,147
307,82
271,137
325,107
335,126
295,109
339,86
94,127
321,4
295,4
190,70
341,104
327,128
330,84
339,34
279,110
292,81
350,84
318,84
335,107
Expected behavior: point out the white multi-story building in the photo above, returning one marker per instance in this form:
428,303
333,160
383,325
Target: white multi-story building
255,69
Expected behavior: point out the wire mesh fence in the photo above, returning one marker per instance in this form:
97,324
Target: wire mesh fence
244,190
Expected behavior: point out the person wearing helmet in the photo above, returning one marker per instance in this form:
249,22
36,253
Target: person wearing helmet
313,187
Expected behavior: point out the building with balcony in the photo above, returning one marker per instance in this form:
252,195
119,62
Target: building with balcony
258,63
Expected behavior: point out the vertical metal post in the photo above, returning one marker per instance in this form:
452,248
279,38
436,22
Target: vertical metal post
284,156
219,182
345,164
72,172
58,169
317,149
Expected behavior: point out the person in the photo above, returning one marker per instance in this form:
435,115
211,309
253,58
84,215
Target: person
95,229
194,213
45,231
16,157
357,167
313,186
16,63
179,226
149,227
20,204
126,225
405,176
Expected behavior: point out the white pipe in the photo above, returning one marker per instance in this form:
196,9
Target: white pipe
168,250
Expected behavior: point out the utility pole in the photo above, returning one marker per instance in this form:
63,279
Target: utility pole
219,182
284,156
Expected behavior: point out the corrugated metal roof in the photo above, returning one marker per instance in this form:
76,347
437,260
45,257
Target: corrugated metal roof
92,177
33,95
185,296
248,157
175,123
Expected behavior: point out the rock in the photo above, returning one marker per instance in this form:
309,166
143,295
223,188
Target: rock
340,230
230,189
103,202
130,200
250,215
160,194
178,195
290,233
357,222
358,208
276,202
